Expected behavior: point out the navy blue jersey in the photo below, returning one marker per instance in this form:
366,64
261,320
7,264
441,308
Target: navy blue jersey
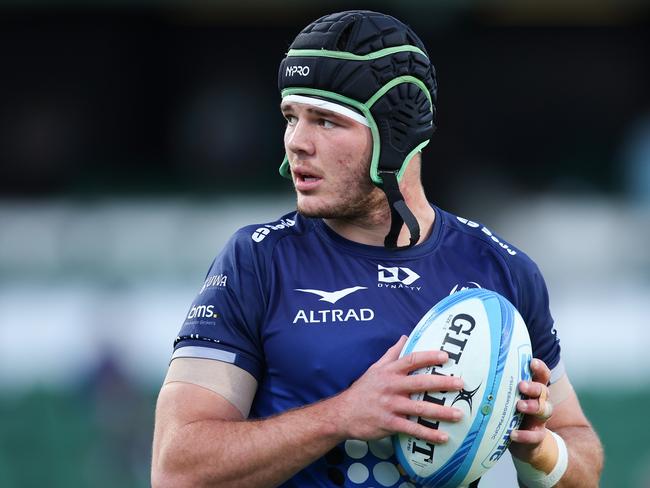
306,312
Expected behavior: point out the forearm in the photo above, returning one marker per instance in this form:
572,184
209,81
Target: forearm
585,457
246,453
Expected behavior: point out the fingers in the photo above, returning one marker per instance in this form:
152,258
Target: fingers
420,359
427,410
532,436
418,383
388,381
393,352
536,407
545,412
538,404
541,373
541,410
405,426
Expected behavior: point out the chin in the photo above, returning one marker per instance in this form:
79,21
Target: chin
313,210
315,207
351,205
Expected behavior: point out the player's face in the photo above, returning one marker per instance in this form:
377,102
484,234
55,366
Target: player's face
329,156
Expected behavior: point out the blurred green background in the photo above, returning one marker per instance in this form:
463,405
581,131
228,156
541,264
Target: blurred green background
135,137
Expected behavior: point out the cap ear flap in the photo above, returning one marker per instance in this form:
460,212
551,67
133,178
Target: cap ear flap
404,120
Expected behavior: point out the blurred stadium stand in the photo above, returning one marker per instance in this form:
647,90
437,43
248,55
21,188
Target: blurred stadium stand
135,137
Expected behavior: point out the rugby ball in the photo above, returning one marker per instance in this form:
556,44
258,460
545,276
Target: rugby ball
488,346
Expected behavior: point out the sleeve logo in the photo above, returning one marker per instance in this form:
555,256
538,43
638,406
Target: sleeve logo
488,233
214,281
202,312
261,232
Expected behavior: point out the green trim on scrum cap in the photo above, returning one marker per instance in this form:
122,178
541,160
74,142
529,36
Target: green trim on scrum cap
398,81
356,57
374,163
408,158
284,168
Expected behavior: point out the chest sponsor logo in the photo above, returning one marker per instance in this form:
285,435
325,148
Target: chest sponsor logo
335,315
332,296
467,286
397,277
261,232
340,315
214,281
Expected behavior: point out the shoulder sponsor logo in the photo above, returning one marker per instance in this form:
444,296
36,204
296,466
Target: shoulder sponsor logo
202,312
332,296
396,277
333,315
488,233
261,232
214,281
470,284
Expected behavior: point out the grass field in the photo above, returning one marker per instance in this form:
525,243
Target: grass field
90,439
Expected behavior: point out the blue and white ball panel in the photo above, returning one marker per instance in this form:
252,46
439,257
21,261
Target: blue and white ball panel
488,346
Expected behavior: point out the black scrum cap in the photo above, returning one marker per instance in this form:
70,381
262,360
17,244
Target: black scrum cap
376,65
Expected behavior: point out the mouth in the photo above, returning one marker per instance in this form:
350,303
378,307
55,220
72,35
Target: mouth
304,180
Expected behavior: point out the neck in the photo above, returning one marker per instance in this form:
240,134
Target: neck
371,229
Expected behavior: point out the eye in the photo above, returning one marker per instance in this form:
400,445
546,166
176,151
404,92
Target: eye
291,119
327,124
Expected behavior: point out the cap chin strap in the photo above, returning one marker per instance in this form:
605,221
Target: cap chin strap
399,212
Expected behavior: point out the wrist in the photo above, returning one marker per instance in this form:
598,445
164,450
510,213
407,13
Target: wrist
335,417
547,467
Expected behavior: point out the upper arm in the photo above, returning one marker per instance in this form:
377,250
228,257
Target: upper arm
200,389
228,381
183,403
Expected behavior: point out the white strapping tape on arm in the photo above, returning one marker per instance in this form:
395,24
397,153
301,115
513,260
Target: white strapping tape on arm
534,478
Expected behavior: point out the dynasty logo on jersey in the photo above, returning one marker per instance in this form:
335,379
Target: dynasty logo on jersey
396,277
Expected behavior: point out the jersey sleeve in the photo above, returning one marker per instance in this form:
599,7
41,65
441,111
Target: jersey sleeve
535,310
224,319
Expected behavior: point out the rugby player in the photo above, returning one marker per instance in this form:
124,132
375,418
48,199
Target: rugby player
286,371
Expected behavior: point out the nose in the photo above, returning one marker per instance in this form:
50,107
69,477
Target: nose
298,138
